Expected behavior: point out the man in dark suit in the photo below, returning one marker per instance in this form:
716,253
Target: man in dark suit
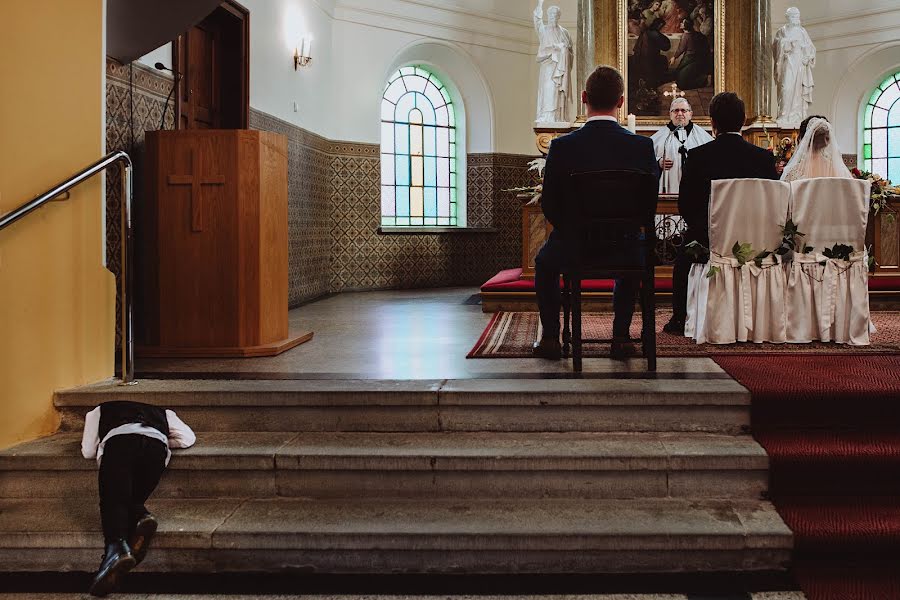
729,156
601,144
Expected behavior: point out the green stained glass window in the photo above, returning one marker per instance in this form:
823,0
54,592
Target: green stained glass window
881,130
418,151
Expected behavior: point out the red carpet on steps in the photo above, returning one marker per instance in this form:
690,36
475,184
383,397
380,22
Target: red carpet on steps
831,427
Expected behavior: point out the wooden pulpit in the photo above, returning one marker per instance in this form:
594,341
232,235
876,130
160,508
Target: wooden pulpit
212,245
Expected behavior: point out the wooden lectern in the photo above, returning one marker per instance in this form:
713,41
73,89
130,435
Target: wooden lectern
213,249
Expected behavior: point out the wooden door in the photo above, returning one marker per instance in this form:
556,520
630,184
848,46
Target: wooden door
213,58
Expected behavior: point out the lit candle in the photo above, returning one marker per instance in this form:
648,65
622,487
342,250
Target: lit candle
308,47
632,124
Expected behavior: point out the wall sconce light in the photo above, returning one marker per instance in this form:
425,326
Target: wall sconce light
302,53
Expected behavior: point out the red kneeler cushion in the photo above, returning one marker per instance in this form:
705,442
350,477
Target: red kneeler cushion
511,280
884,284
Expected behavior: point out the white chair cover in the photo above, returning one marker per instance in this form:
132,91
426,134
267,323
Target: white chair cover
741,303
828,299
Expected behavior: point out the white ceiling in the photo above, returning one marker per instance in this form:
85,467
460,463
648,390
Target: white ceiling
512,10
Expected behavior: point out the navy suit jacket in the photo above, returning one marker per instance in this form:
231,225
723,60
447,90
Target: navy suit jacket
728,156
597,146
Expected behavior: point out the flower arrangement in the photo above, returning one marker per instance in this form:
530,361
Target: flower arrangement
882,190
784,150
533,191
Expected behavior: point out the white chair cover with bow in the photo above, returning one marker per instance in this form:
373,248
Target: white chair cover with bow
741,303
828,299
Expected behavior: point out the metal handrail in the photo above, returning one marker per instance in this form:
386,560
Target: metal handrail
126,313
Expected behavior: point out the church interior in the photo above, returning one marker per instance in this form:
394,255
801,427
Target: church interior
311,229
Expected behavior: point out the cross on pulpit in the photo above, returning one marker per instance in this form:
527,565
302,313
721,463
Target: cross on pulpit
196,181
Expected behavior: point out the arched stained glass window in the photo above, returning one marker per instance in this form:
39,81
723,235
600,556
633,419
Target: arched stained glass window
418,151
881,130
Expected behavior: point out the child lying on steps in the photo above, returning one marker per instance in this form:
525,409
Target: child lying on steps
131,442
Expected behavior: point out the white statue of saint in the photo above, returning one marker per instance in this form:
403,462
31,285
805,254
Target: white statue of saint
795,57
555,58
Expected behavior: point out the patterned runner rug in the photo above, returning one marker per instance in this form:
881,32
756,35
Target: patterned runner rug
510,335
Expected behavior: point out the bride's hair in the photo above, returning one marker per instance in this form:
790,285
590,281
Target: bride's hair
821,139
805,124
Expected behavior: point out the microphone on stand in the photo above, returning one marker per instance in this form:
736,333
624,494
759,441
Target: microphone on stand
177,77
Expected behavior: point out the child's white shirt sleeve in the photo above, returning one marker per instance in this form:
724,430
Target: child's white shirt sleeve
90,439
180,435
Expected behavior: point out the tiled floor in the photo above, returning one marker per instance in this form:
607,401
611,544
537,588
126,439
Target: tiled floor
418,334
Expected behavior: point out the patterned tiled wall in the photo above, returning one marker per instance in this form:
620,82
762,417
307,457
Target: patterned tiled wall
344,250
128,116
364,259
308,234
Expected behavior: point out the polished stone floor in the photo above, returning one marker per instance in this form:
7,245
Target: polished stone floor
416,334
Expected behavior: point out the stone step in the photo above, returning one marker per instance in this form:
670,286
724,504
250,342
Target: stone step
610,405
439,536
416,465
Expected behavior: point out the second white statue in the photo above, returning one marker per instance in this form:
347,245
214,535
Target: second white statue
795,57
555,57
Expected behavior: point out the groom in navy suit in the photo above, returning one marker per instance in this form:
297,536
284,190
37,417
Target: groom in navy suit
602,144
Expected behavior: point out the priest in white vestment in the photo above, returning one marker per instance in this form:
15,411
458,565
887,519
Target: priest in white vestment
672,143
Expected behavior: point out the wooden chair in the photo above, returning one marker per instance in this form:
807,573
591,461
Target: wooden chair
610,221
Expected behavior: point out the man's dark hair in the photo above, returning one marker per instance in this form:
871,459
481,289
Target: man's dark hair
805,124
604,88
688,23
727,112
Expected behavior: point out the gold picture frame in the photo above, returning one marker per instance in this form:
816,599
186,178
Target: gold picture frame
719,62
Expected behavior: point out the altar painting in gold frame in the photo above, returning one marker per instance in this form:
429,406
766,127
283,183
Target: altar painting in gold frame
669,49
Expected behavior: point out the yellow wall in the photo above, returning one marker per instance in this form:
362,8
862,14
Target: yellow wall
57,301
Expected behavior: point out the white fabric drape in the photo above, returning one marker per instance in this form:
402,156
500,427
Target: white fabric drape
828,299
741,303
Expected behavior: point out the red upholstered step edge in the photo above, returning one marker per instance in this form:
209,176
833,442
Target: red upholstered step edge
884,284
816,446
831,463
511,280
829,525
842,578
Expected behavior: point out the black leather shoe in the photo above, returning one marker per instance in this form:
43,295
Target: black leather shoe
117,561
143,533
674,326
622,350
547,348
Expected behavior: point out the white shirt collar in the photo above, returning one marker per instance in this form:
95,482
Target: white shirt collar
603,118
732,133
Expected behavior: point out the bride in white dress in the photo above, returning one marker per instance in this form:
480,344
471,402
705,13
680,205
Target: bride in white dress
817,154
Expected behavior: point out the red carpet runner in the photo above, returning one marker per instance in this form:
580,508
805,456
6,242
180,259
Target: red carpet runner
831,427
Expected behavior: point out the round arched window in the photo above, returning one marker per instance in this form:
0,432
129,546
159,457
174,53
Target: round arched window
881,130
419,164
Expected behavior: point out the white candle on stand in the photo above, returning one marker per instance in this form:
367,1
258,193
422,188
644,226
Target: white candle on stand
632,124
